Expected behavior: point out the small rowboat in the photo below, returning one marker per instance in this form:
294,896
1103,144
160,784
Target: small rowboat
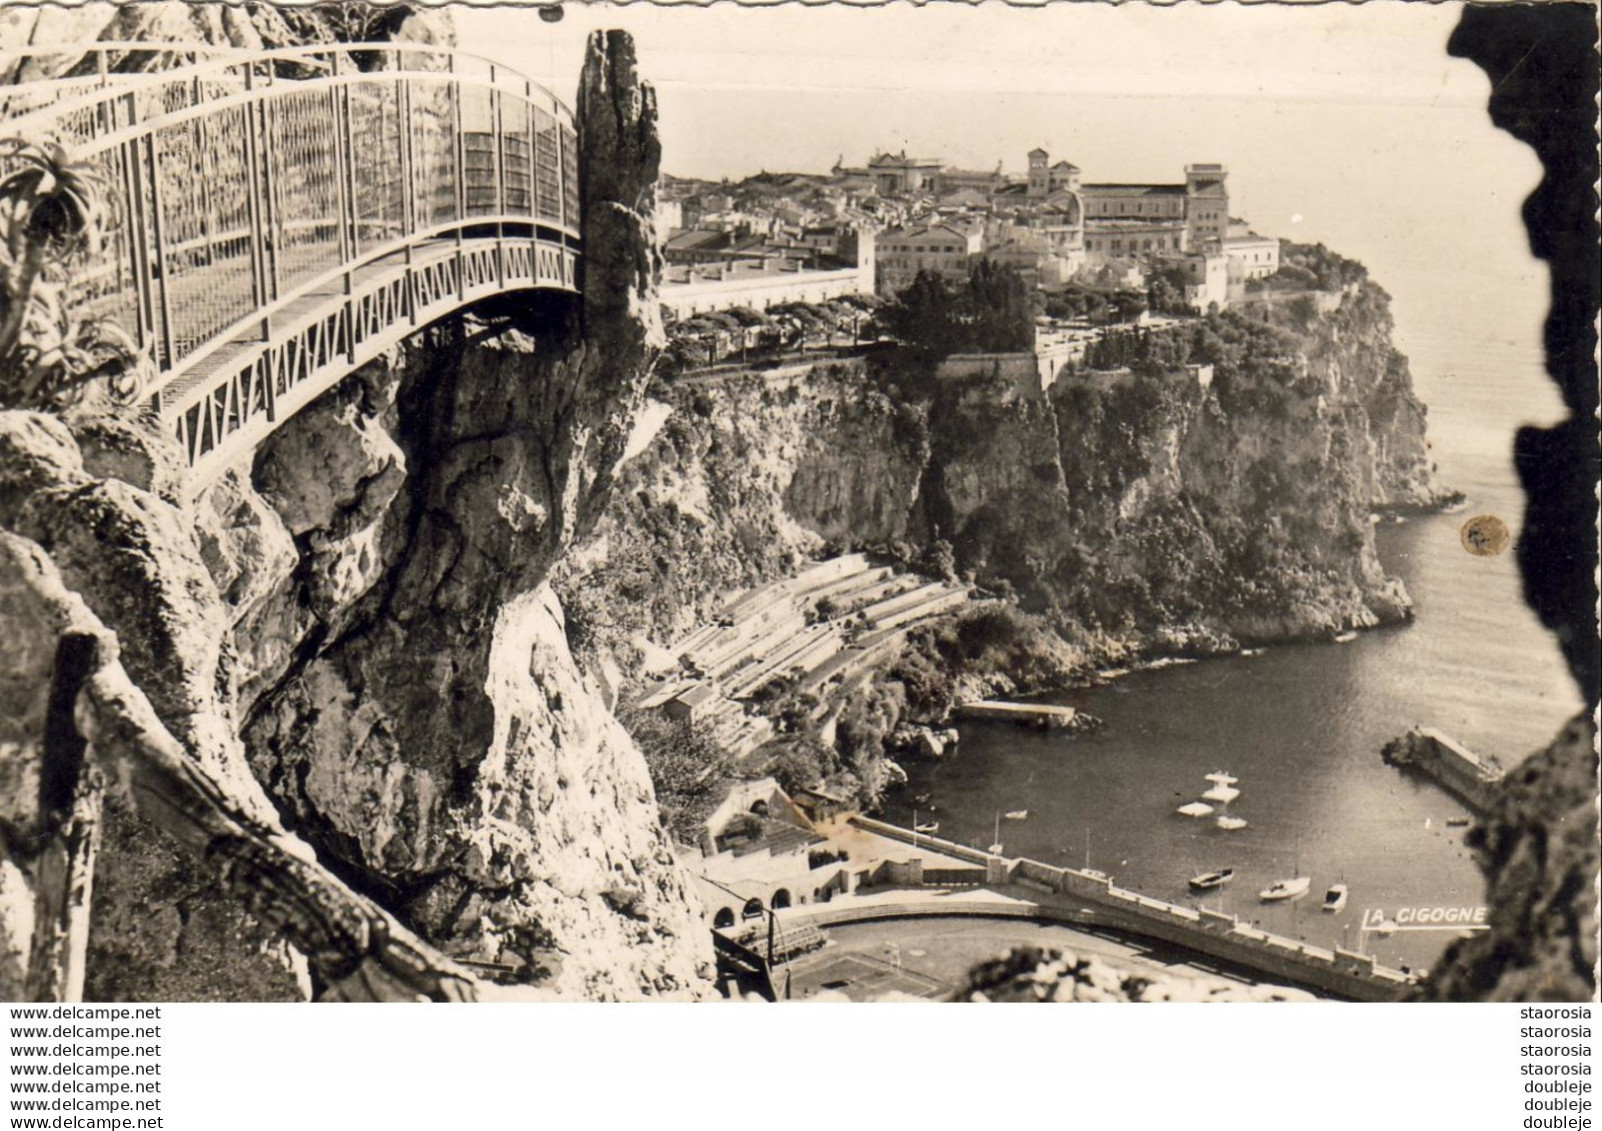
1206,881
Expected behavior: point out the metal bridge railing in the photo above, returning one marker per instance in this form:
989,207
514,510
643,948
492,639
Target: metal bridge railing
240,180
39,76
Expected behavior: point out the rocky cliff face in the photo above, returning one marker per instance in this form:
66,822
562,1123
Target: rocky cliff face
355,633
745,479
1133,509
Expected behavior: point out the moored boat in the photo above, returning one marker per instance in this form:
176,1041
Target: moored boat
1223,788
1231,823
1206,881
1017,814
1335,897
1194,809
929,827
1285,889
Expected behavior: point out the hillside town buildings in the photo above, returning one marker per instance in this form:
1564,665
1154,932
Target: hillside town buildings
943,249
773,238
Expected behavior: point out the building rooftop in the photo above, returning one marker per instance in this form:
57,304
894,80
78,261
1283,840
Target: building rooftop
698,239
1137,190
697,695
1118,225
902,161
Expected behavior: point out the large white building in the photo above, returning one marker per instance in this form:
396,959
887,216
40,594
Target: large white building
942,249
1250,255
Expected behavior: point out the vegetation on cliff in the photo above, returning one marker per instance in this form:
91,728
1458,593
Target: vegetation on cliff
993,312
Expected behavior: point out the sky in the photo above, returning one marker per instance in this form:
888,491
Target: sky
1346,124
1385,50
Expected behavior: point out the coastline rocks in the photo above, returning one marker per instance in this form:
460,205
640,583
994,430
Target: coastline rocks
916,740
1192,640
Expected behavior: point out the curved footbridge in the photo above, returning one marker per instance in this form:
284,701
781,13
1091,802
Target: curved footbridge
277,218
1003,888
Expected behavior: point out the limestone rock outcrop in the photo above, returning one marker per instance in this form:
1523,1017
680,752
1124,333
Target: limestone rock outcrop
126,558
1539,845
352,633
1136,511
432,734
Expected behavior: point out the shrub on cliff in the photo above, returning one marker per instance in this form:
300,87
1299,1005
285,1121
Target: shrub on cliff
50,212
686,768
984,645
801,761
993,313
1324,269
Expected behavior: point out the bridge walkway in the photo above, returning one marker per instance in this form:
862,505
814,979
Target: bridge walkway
277,218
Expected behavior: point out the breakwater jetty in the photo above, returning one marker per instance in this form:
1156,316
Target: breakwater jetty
1083,898
1471,778
1040,716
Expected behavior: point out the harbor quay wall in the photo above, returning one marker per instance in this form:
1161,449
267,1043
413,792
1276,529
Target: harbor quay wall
995,866
1044,715
1068,895
1473,780
1097,900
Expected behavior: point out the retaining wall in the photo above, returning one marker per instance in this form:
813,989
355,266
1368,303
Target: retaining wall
1224,937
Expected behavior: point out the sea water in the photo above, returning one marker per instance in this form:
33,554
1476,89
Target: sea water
1302,725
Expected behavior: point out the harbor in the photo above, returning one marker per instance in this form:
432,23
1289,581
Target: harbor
929,878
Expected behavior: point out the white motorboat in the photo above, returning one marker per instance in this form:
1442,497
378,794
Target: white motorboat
930,827
1285,889
1335,897
1017,814
1293,888
1345,637
1195,809
1223,789
1231,823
